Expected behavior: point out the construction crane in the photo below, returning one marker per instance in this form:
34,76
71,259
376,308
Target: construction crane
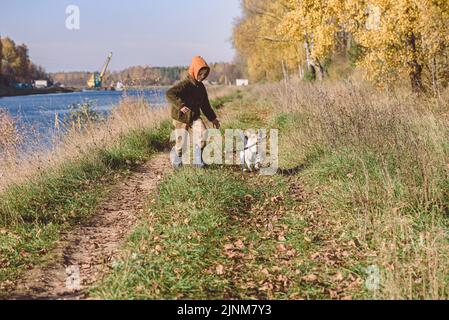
96,79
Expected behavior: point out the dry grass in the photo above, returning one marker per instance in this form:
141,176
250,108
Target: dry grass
381,162
9,136
75,144
221,91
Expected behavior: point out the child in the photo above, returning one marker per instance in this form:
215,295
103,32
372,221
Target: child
188,98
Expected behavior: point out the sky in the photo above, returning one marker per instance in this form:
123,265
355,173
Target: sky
138,32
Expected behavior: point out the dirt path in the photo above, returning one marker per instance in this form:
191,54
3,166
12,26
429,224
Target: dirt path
86,253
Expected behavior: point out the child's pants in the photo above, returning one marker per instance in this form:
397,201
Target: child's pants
197,129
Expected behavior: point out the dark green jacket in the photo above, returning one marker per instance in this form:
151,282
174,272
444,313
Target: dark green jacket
193,95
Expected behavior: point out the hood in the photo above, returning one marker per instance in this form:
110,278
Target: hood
197,64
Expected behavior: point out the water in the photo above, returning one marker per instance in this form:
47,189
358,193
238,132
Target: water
35,114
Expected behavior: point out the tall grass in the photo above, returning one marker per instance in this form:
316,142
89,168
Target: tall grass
82,144
9,136
382,164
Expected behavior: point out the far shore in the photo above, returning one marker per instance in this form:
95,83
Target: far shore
12,92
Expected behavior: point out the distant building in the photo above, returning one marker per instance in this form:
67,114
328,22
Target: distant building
40,84
242,82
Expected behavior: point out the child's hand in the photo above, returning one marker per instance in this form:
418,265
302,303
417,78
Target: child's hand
216,124
185,110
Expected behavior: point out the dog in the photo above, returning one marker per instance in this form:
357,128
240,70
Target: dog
249,157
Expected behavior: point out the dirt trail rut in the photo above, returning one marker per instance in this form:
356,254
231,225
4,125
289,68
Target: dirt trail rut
86,253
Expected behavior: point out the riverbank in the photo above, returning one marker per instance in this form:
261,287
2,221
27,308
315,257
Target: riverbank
12,92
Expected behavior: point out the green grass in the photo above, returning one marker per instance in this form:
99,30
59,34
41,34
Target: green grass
371,193
222,234
32,215
180,250
357,205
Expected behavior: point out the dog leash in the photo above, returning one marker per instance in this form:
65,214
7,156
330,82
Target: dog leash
255,144
244,149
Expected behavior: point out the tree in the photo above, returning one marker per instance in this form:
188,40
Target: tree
389,39
16,65
268,56
22,64
401,39
1,59
9,58
313,24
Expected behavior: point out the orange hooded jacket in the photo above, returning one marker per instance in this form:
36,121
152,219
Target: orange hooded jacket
197,64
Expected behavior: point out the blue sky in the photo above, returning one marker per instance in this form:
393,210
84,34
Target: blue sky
139,32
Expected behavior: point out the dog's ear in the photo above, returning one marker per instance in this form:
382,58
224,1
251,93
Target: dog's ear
250,133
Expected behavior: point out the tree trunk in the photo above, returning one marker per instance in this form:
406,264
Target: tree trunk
300,72
313,65
436,89
284,71
415,68
319,70
348,41
309,62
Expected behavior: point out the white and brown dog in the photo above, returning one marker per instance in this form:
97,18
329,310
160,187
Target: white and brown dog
249,156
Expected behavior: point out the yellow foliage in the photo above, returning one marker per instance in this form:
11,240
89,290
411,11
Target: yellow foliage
397,38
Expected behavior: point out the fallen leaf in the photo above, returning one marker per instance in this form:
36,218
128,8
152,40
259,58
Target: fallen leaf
239,244
277,199
228,246
310,278
265,272
281,248
315,255
249,197
219,269
338,277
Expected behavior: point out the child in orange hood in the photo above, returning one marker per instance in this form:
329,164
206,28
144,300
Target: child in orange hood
188,99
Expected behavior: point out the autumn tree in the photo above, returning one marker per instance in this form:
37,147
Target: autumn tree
1,59
268,56
22,65
9,54
16,65
313,25
402,38
394,39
